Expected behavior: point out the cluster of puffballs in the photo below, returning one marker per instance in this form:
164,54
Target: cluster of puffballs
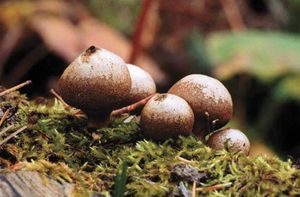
99,81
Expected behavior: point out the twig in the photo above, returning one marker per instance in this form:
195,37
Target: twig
213,123
233,15
207,122
59,98
194,189
4,117
214,187
132,107
5,130
13,135
77,113
21,85
116,112
139,30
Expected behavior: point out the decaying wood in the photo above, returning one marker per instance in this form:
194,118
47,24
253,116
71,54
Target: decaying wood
30,184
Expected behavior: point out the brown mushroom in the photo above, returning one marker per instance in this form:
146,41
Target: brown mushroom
96,82
166,116
142,84
209,99
233,139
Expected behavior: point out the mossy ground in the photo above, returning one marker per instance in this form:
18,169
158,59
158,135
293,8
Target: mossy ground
57,143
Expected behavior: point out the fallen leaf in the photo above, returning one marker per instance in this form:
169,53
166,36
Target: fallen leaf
99,34
68,39
59,34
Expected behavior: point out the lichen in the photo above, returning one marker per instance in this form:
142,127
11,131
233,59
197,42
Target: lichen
58,144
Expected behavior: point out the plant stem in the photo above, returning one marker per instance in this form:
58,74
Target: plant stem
136,45
13,135
233,15
5,130
194,189
59,98
132,107
214,187
4,117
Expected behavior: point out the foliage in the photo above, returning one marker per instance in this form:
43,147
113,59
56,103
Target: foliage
120,183
120,10
288,88
196,51
58,144
265,55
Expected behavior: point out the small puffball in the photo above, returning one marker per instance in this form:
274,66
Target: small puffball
209,99
233,139
142,84
166,116
96,82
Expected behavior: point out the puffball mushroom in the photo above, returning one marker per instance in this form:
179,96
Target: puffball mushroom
209,99
233,139
142,84
166,116
96,82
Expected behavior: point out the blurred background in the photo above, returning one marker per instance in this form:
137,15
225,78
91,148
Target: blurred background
252,46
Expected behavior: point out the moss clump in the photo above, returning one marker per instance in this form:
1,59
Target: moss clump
58,144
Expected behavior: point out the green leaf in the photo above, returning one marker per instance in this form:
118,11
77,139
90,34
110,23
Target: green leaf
288,89
196,51
114,12
120,184
265,55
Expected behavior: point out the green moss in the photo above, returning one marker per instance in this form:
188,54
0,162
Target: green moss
57,143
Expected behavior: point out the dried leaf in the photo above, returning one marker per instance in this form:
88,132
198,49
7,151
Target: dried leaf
68,40
59,34
15,13
94,32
